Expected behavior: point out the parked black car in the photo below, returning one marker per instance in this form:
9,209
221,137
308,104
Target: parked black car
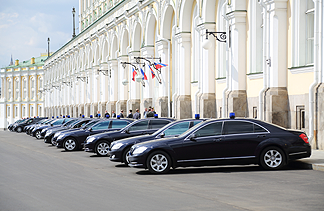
20,126
50,132
75,139
223,142
81,125
100,143
15,123
30,128
38,131
119,150
26,128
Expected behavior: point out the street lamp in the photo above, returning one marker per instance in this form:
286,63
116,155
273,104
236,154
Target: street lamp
73,12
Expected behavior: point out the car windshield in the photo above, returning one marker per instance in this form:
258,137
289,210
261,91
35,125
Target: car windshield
69,123
163,128
190,130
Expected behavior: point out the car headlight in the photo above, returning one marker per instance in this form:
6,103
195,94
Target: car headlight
91,139
117,146
139,150
57,134
60,136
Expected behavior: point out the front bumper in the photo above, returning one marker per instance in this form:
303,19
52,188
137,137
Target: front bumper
89,147
137,162
115,156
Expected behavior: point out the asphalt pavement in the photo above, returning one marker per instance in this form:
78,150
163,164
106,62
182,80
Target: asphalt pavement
315,161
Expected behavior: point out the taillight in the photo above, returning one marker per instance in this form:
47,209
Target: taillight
304,137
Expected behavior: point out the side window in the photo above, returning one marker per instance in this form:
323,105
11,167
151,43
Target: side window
139,126
177,129
101,126
58,122
237,127
119,124
213,129
157,124
258,129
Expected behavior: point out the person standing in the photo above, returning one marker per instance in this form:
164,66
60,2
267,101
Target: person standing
145,112
106,113
121,114
113,114
137,114
98,114
150,113
130,115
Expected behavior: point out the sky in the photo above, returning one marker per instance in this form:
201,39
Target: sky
25,27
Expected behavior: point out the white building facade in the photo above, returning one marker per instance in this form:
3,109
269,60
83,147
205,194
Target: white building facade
20,91
270,67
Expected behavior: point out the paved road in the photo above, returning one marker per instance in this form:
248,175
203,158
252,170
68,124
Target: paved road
35,176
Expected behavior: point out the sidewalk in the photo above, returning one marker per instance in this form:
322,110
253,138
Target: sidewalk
316,161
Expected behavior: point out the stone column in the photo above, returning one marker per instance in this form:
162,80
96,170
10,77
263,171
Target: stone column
135,87
277,95
183,105
237,98
113,86
207,77
148,90
161,104
122,89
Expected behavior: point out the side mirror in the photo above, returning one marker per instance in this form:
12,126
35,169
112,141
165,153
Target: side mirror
193,137
127,131
162,135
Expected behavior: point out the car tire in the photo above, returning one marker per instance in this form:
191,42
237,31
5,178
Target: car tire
102,148
19,129
158,162
70,144
272,158
125,156
38,134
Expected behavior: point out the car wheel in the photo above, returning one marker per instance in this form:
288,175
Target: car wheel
126,156
19,129
53,142
70,144
38,134
102,148
272,158
158,162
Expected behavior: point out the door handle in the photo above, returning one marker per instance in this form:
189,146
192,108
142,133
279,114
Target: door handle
261,136
217,139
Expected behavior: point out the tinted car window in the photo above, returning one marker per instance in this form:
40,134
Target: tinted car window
89,124
212,129
258,129
196,122
177,129
237,127
119,124
156,124
139,126
101,126
58,122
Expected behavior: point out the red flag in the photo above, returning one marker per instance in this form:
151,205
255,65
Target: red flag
134,74
153,74
159,65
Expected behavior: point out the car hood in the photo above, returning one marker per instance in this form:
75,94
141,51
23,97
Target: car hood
158,142
136,139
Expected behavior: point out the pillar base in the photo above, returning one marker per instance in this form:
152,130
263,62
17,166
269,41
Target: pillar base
318,141
183,107
161,106
133,105
237,103
207,107
277,106
111,106
122,105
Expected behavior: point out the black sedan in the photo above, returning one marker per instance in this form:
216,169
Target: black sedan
223,142
39,132
119,150
81,125
20,126
15,123
29,129
100,143
75,139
